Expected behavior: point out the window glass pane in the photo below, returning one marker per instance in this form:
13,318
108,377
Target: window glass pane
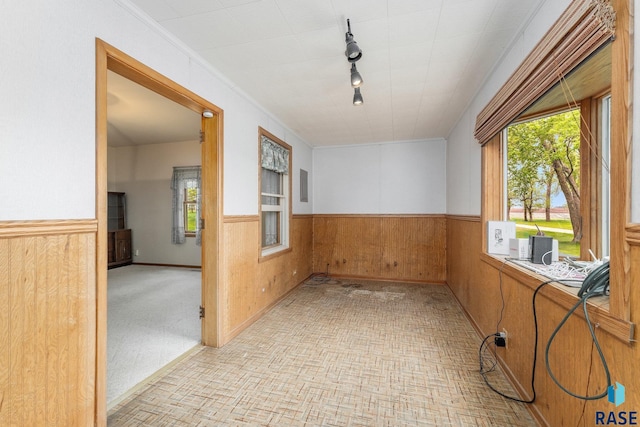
190,209
271,184
543,179
190,217
605,143
185,218
191,193
270,228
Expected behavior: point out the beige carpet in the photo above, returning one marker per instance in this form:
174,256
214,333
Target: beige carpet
152,319
336,353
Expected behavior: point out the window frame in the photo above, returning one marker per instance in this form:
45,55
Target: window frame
604,184
616,317
278,208
285,210
180,178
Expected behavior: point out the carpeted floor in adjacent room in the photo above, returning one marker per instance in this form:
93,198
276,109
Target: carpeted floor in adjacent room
152,320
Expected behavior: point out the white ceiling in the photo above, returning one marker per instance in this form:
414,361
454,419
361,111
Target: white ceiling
139,116
423,60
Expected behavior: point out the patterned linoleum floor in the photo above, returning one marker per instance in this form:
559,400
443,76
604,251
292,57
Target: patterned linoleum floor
335,353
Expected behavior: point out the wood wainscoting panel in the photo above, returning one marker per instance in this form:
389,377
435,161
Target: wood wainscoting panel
464,243
481,287
237,290
47,324
392,247
251,287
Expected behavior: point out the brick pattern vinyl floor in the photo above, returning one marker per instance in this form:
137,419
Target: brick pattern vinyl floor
336,353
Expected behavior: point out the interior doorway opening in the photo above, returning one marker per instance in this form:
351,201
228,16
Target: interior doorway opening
110,59
154,284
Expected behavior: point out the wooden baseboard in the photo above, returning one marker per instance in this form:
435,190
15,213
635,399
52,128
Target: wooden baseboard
522,393
167,265
225,338
381,279
533,409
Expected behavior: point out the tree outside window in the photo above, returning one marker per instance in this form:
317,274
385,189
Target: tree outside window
552,171
543,177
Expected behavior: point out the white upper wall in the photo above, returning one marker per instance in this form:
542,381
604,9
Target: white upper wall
47,113
47,117
463,150
391,178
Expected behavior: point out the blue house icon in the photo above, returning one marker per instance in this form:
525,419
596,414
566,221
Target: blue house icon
616,394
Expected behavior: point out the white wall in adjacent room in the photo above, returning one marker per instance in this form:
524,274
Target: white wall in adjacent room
144,174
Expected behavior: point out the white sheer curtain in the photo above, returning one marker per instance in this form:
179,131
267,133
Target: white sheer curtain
184,177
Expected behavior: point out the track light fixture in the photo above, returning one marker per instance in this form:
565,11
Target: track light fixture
356,78
357,97
353,52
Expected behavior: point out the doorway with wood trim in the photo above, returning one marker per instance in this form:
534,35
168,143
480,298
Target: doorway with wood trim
111,59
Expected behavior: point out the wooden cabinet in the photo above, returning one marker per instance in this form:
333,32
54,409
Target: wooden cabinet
119,247
118,237
116,209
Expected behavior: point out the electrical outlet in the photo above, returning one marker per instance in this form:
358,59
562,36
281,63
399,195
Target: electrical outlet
500,339
505,335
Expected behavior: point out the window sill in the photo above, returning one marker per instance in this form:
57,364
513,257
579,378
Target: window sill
273,252
565,297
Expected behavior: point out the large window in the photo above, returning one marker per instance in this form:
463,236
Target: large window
557,176
275,190
543,178
571,68
567,57
549,167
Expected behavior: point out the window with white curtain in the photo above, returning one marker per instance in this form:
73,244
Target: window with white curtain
275,190
186,186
